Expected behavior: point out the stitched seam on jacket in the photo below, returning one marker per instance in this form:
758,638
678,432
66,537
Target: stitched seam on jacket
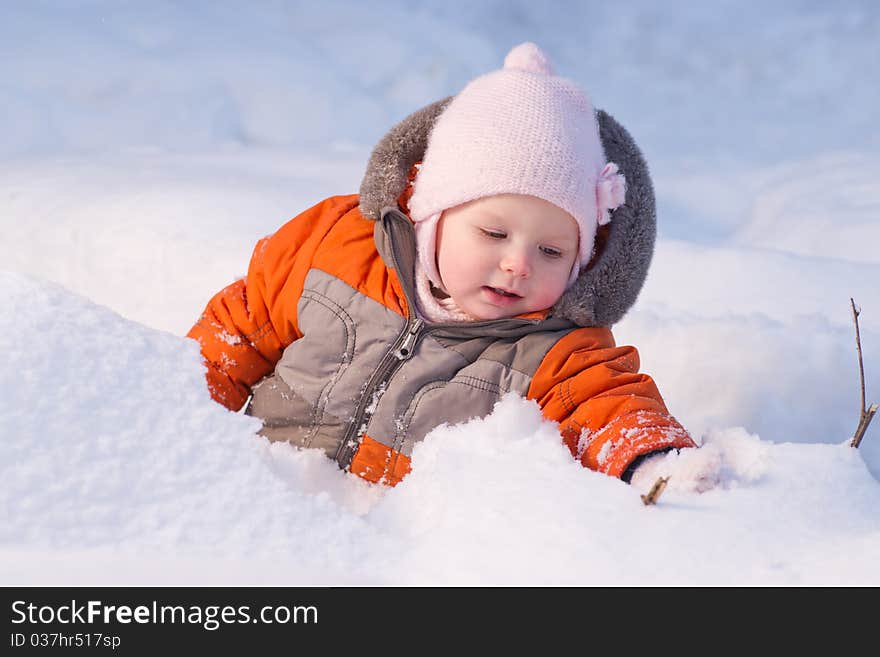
484,359
259,332
350,339
216,328
402,428
566,397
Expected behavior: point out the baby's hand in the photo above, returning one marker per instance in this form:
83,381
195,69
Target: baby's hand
690,470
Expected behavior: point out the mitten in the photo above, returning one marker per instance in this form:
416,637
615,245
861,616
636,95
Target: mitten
690,470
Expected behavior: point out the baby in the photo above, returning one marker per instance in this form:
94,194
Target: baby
491,246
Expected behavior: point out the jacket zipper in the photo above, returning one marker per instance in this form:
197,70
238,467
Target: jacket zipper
402,350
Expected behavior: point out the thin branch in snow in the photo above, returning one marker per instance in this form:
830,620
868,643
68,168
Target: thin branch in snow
865,416
654,494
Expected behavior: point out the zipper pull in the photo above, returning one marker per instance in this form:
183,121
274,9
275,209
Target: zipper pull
405,350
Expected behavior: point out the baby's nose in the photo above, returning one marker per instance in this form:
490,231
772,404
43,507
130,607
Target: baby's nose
517,263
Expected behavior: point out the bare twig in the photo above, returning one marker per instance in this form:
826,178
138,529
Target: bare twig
654,494
865,416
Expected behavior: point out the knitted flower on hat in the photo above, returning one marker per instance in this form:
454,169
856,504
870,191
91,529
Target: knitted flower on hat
519,130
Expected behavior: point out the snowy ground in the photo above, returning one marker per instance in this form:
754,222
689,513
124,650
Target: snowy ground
143,151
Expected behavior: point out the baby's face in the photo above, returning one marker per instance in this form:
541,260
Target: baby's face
506,255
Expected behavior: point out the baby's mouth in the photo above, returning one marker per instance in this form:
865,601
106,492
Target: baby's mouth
503,293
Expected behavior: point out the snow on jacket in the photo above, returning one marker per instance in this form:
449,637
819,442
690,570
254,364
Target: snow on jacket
323,335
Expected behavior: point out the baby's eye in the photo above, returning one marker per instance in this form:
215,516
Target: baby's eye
550,252
494,234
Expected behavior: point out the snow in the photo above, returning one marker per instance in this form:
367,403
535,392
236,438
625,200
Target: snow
144,150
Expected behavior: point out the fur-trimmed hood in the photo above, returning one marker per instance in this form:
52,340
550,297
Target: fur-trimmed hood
607,288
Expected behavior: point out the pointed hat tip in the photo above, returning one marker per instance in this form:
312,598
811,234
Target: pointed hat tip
528,57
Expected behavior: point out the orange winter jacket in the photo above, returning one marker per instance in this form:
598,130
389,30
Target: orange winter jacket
321,285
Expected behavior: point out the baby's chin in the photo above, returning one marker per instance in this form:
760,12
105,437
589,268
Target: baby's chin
486,312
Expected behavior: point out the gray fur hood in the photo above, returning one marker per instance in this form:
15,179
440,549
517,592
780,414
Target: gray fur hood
607,288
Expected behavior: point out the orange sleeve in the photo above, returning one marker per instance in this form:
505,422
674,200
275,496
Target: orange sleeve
609,414
248,324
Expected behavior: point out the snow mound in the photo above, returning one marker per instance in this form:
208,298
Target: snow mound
111,439
118,469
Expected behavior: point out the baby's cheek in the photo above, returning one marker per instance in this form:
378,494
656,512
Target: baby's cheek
549,292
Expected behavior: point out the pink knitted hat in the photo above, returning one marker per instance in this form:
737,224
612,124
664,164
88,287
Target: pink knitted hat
518,130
